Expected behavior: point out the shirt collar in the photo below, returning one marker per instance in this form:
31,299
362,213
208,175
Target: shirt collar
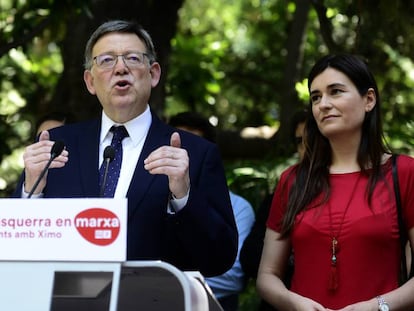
137,128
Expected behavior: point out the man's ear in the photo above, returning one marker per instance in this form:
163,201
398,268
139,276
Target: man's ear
88,78
155,72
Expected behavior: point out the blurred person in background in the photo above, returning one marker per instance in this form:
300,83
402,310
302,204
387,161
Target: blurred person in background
226,287
252,247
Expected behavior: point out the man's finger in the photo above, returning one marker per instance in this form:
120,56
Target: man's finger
44,136
175,140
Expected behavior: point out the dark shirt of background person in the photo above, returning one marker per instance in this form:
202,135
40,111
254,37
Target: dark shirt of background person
251,251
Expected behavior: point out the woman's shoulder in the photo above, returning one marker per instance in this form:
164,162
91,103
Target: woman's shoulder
405,167
289,173
405,161
290,169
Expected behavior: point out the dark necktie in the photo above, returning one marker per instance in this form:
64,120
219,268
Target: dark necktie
114,166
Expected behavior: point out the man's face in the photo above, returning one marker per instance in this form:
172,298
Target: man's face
123,91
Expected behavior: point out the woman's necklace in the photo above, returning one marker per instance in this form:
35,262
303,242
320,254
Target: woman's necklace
333,278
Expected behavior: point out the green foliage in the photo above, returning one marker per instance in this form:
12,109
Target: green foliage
254,179
12,128
228,58
31,65
248,299
227,62
237,46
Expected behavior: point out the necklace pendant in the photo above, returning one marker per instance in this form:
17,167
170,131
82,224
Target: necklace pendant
334,246
333,277
333,260
334,251
333,281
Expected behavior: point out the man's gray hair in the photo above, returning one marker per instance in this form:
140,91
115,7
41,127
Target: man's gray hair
120,26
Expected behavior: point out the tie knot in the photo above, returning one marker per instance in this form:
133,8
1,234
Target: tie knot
119,132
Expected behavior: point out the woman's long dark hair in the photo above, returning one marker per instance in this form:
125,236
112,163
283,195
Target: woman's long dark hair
312,173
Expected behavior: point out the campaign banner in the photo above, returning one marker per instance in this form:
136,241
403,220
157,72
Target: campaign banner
87,229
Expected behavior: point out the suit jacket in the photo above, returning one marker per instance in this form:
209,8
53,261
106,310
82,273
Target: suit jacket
202,236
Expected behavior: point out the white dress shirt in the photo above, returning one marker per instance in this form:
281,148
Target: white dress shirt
131,150
132,146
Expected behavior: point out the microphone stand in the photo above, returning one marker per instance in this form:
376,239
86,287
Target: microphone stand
57,149
109,155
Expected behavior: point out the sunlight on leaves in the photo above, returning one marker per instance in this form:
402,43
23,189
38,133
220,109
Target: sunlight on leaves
302,90
10,101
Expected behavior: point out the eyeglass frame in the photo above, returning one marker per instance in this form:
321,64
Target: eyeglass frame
116,56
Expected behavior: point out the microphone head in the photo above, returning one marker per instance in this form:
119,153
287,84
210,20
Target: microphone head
109,153
57,148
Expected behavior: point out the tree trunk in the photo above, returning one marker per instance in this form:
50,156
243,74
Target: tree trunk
289,100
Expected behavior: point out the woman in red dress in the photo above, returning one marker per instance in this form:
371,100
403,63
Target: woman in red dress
336,209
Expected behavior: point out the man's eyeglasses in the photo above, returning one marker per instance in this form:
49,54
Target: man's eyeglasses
131,60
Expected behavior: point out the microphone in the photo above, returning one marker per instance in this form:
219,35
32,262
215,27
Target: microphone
109,155
57,149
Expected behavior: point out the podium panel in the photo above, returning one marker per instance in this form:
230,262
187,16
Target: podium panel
78,229
83,286
69,254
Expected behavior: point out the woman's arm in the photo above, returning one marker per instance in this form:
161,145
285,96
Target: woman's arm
272,269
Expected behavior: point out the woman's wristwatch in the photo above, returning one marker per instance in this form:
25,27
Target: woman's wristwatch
382,304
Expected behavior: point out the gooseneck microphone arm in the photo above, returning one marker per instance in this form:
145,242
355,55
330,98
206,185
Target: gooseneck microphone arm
57,149
109,155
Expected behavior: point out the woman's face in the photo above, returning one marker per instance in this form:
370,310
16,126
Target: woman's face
338,108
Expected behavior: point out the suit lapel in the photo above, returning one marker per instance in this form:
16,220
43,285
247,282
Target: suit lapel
88,150
158,135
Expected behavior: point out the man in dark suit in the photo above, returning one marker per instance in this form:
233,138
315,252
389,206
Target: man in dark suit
179,209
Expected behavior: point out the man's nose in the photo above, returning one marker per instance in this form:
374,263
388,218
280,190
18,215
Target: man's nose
120,64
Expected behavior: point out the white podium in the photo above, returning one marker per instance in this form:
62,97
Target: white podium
82,286
70,255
